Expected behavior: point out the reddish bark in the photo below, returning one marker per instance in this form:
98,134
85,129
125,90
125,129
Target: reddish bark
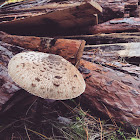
22,41
107,94
61,20
118,9
69,49
117,25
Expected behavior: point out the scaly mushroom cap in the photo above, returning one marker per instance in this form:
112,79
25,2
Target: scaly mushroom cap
46,75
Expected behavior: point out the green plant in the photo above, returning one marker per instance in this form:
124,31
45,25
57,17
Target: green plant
135,139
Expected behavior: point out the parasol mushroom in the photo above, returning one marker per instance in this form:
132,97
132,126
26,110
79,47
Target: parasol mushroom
45,75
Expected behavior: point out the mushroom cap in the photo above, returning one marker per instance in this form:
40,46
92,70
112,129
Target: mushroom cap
45,75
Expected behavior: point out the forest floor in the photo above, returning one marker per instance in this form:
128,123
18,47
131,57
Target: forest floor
62,120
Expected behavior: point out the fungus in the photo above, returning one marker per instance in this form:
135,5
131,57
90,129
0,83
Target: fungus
45,75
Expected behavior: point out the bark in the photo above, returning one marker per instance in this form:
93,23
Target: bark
112,93
58,21
107,38
117,25
113,26
69,49
111,87
118,9
119,49
7,86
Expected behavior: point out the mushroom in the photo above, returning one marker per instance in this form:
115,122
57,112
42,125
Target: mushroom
45,75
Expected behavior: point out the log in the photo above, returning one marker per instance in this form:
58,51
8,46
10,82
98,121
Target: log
7,86
113,52
112,93
71,50
117,25
113,89
107,38
58,21
113,26
118,9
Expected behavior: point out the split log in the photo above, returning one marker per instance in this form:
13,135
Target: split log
112,93
117,8
44,6
58,21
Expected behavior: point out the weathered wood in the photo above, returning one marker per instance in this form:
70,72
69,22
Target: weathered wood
111,54
117,25
121,49
113,26
118,9
115,56
7,86
107,38
71,50
55,22
36,6
112,92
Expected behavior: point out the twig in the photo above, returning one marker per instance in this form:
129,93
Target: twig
137,133
7,126
27,132
91,116
101,128
12,136
30,106
86,132
110,116
67,106
38,134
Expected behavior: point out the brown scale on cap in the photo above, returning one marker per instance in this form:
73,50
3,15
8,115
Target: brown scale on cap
46,75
